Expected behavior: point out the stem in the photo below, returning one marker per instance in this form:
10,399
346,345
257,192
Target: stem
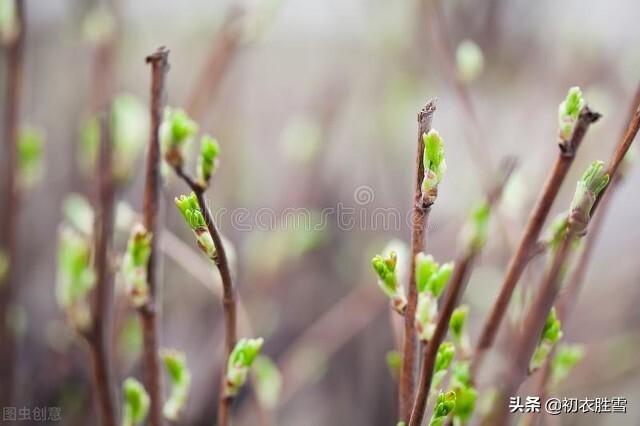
419,219
148,313
11,203
458,283
527,244
228,291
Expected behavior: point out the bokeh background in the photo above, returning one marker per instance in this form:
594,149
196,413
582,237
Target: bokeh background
315,108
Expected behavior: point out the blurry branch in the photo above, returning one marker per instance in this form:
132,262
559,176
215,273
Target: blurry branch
459,280
528,241
576,225
11,200
148,312
99,337
419,219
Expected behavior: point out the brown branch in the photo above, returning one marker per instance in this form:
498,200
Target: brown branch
99,335
531,233
149,312
11,202
228,291
419,220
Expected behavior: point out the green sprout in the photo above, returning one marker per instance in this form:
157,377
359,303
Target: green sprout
431,279
30,149
457,325
551,333
569,111
176,366
136,403
76,276
385,267
176,132
469,60
267,382
135,265
445,404
446,352
240,360
477,227
208,159
394,363
434,165
190,209
590,185
565,359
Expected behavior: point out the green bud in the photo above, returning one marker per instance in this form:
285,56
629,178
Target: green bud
136,402
458,321
552,331
76,276
592,182
569,111
426,312
190,209
208,160
267,382
426,267
469,60
30,148
434,165
465,403
135,265
439,280
129,132
394,363
445,404
385,267
446,352
461,375
176,366
240,360
565,359
176,132
477,227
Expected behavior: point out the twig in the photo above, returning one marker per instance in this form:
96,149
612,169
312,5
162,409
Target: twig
11,202
149,312
99,335
534,321
531,233
228,291
419,220
459,281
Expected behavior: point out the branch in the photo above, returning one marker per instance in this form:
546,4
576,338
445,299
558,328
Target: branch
148,313
531,233
419,219
11,201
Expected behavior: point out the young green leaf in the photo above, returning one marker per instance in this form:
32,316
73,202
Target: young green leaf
175,364
477,227
208,159
592,182
569,111
190,210
394,363
136,402
445,404
385,268
30,153
434,165
240,360
135,263
176,132
565,359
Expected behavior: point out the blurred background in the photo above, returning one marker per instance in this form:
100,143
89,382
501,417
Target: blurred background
314,105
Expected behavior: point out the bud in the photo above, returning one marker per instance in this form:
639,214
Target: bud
551,333
476,230
394,363
176,366
434,165
445,404
565,359
240,360
457,325
592,182
431,280
76,276
176,132
30,151
129,133
469,60
135,265
267,382
136,402
569,111
190,209
426,312
388,280
446,352
208,159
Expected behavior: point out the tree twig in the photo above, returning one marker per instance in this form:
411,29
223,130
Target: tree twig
11,202
99,337
531,233
419,220
149,312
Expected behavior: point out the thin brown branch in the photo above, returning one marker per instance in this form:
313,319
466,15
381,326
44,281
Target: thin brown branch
419,220
149,312
11,202
531,233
